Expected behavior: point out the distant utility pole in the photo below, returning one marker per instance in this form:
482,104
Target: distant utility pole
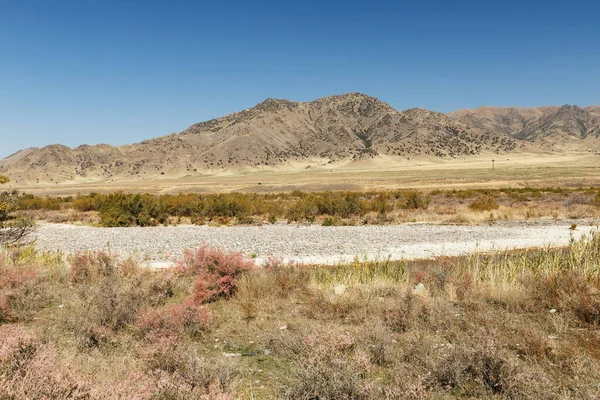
493,164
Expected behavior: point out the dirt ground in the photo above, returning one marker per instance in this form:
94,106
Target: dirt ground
381,173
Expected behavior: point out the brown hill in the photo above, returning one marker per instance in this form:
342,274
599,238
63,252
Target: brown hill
272,134
594,110
567,127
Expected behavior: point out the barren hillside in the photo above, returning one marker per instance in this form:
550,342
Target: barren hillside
559,128
274,133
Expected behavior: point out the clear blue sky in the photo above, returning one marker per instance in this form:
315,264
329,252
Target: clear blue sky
118,72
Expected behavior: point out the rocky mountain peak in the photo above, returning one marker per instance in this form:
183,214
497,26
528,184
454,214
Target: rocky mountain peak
272,105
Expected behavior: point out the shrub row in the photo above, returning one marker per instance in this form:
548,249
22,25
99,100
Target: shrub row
126,209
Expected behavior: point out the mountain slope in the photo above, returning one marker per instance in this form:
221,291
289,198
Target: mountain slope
569,126
272,134
567,121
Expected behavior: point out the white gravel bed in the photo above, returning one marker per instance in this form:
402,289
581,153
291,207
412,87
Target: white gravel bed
161,246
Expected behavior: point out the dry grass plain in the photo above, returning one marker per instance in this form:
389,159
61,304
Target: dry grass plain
577,169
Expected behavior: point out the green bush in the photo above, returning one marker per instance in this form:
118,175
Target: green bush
328,221
87,203
415,200
31,202
120,209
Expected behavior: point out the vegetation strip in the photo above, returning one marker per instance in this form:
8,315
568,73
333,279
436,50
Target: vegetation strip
326,208
510,325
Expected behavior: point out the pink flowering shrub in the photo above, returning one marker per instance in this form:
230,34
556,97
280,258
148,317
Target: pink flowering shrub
216,271
14,277
21,293
28,369
216,275
175,320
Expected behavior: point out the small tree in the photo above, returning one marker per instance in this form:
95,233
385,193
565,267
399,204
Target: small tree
13,227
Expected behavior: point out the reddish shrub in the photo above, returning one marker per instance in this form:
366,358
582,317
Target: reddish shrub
4,309
464,284
28,369
21,293
175,320
203,291
420,276
217,272
15,277
212,260
88,266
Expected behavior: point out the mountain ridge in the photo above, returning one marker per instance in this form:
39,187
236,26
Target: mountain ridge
548,126
329,130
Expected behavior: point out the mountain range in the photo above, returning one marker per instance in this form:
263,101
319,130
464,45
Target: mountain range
328,131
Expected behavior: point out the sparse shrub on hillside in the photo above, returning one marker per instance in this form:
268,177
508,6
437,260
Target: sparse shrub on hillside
485,203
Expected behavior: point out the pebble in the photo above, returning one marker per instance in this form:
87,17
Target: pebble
308,244
339,289
420,288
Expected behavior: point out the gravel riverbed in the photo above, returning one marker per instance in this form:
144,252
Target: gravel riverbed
161,246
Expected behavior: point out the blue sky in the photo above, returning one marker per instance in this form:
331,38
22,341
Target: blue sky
117,72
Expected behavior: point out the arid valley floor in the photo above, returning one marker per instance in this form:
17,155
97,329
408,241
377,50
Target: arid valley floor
577,169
